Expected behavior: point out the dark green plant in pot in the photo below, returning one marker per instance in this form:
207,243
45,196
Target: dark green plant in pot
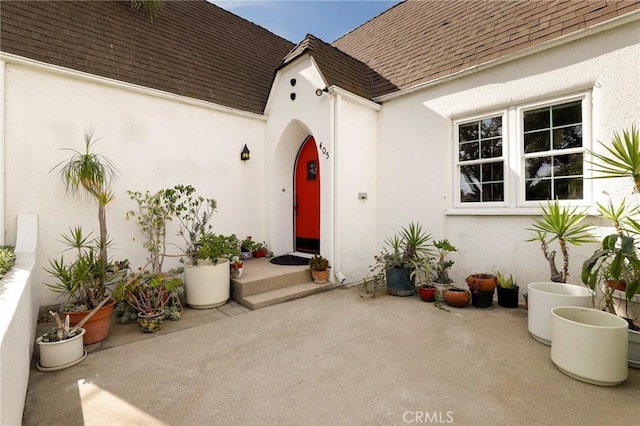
394,261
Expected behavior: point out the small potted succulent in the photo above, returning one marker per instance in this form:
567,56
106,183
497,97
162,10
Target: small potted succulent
60,347
442,266
247,246
319,269
507,290
424,272
149,294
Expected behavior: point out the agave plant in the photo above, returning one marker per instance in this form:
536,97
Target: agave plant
621,157
561,223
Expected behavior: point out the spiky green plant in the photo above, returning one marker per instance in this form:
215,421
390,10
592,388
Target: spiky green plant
560,223
621,158
93,173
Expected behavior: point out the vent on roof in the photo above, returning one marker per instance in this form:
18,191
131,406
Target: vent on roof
445,23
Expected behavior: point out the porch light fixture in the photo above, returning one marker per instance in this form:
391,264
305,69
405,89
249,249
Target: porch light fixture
244,155
320,91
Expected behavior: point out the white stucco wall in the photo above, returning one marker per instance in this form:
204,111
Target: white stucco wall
346,127
154,141
415,150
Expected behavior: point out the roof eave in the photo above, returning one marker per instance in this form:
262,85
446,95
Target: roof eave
586,32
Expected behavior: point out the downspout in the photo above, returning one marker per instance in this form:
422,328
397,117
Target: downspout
2,153
337,255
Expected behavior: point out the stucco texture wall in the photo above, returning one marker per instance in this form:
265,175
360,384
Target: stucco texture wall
154,142
416,147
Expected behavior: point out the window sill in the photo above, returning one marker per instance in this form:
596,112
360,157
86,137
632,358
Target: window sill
506,211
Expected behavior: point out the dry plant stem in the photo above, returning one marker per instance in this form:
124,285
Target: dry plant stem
551,258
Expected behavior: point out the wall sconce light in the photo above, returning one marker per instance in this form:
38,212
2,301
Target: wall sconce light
320,91
244,155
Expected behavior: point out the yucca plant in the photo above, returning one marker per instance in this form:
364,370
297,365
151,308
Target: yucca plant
621,157
564,224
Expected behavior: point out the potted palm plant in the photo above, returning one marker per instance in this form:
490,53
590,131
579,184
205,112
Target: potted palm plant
319,269
564,225
92,173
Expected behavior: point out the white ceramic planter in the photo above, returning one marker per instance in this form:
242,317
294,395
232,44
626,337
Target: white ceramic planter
590,345
56,356
544,296
207,285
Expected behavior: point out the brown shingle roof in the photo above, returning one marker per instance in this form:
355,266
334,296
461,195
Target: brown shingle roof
337,67
417,41
193,48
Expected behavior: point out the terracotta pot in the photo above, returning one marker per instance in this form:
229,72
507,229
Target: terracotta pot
617,284
457,297
259,253
427,294
320,277
482,282
97,328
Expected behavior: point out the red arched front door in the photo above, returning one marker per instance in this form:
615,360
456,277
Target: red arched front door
307,201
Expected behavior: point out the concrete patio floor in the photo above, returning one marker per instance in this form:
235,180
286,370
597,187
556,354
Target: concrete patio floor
331,359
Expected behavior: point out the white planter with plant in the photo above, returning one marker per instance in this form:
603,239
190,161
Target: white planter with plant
61,347
544,296
561,224
590,345
207,282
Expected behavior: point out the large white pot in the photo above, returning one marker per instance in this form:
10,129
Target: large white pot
63,354
590,345
544,296
207,285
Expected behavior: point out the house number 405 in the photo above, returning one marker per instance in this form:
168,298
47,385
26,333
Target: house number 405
324,150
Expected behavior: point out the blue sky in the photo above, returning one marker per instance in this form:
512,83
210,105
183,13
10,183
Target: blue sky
293,19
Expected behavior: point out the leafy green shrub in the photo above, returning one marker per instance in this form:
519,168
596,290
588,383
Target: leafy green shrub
7,259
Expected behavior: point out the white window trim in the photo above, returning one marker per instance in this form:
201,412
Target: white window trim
456,156
513,155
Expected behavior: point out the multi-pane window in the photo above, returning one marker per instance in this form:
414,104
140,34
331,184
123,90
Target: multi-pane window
523,155
480,160
553,152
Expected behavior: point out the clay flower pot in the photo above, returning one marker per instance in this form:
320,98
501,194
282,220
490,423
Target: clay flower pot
427,294
320,277
457,297
482,282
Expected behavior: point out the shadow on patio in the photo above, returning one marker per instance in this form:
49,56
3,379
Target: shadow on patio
332,358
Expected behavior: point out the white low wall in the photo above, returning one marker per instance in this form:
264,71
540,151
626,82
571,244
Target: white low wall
19,304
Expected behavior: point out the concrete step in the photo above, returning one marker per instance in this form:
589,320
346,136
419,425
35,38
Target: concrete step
263,284
284,294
